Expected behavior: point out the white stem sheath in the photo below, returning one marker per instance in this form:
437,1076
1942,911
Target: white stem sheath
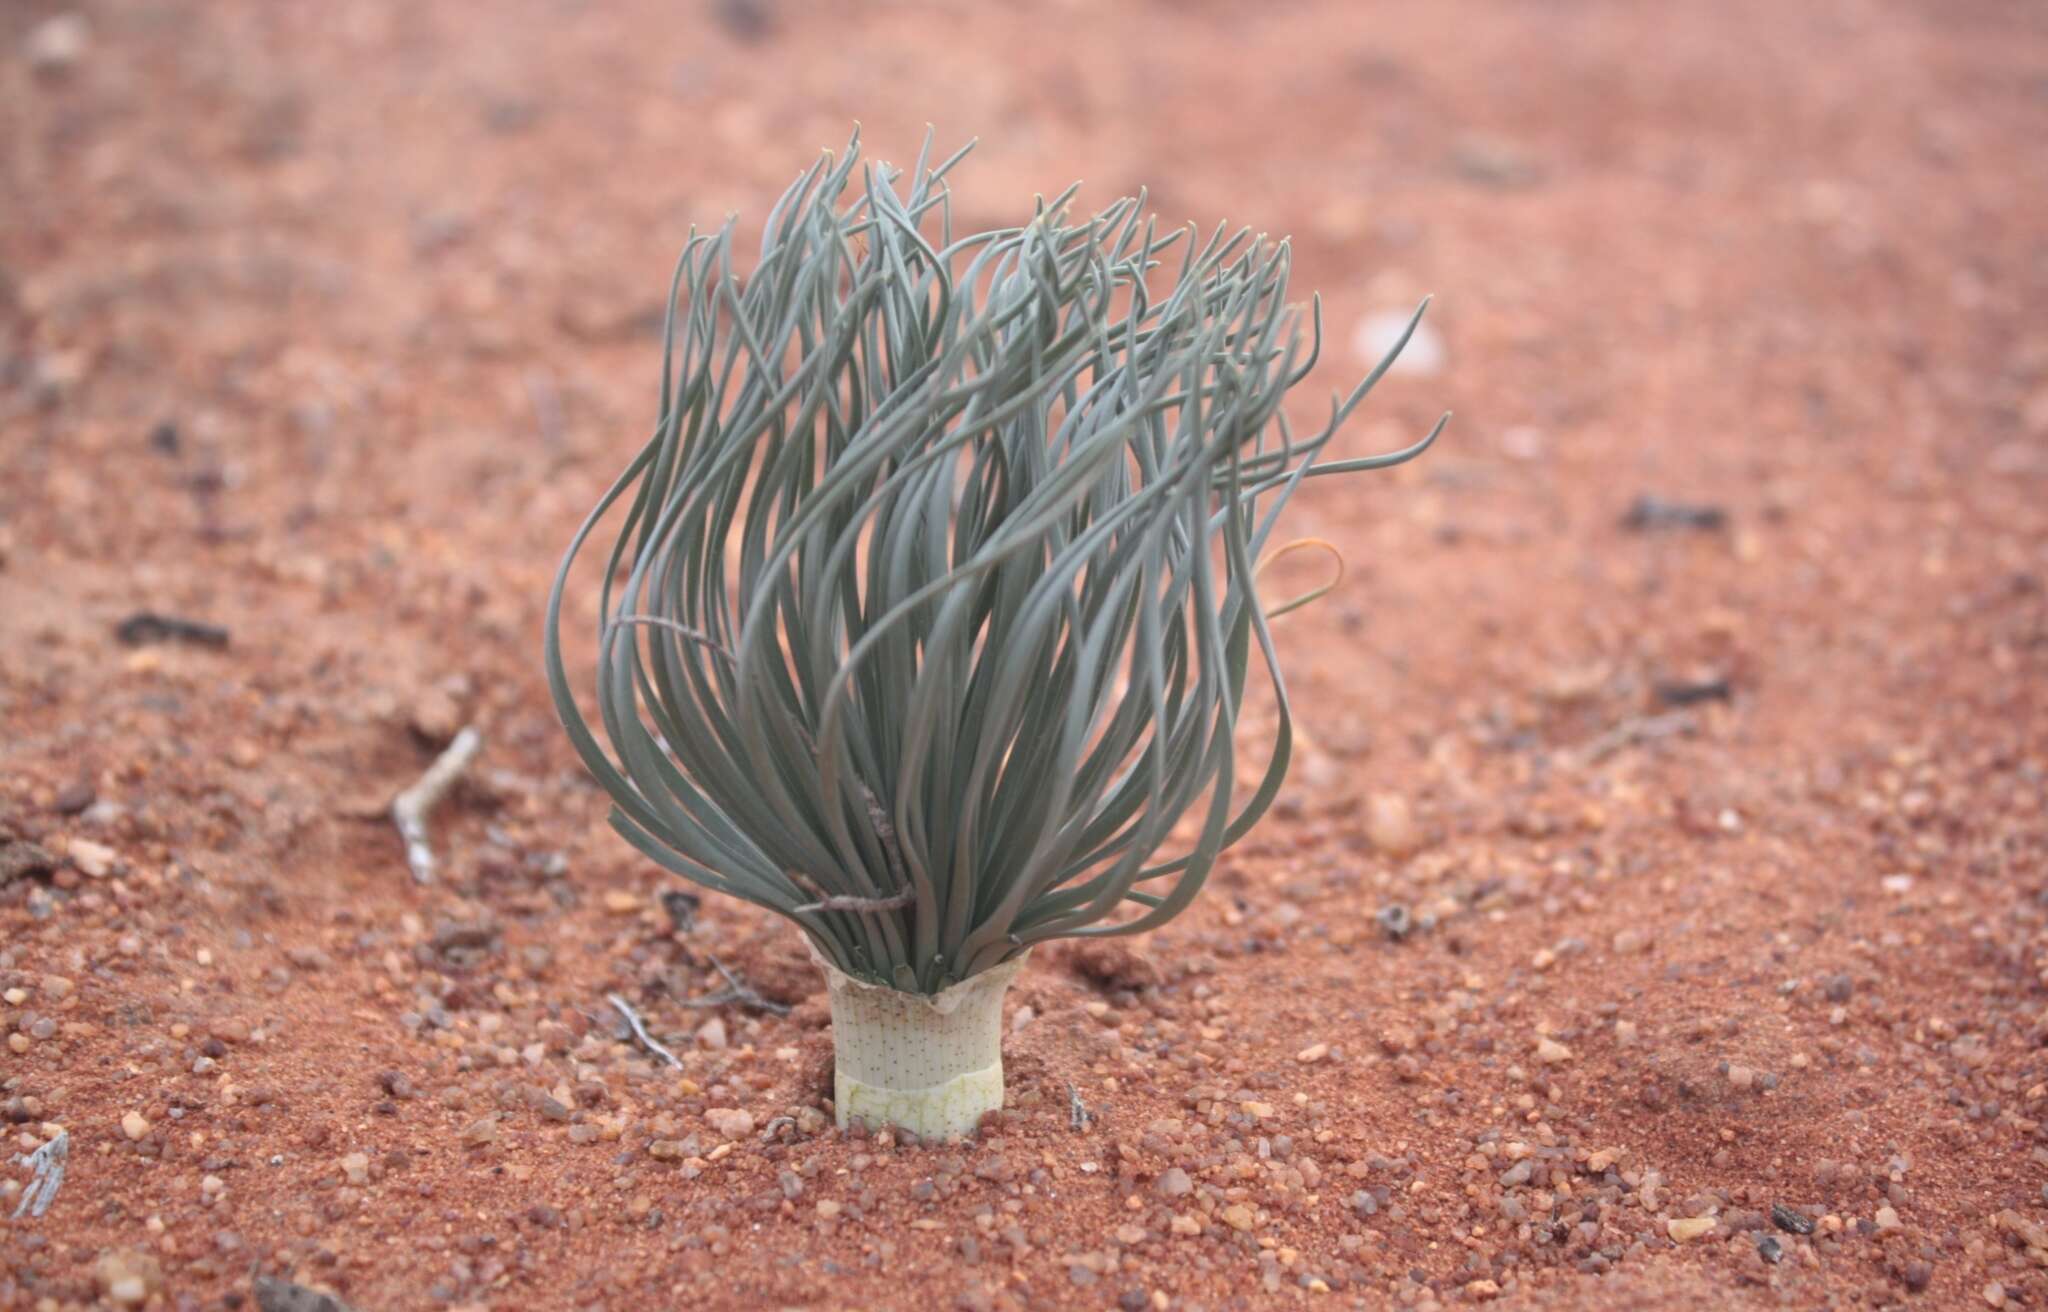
931,1064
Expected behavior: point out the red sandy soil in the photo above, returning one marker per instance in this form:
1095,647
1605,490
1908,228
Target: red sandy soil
325,323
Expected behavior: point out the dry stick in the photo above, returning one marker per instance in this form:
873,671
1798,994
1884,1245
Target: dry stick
1641,729
48,1164
846,901
736,991
843,902
1078,1114
640,1034
410,810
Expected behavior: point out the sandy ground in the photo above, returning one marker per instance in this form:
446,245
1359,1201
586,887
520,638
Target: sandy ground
1720,838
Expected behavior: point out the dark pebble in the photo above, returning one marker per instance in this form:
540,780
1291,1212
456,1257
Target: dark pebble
146,627
1649,512
1791,1222
681,908
1691,692
1395,921
1768,1247
21,858
74,799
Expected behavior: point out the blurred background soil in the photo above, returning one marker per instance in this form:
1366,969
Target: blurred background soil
1655,916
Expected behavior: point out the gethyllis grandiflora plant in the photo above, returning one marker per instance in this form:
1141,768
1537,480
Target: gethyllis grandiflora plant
933,603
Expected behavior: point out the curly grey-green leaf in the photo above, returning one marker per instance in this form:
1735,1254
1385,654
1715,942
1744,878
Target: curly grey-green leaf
931,608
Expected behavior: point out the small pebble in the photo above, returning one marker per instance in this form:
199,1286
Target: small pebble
1686,1229
1390,825
1768,1248
1378,333
94,860
275,1295
730,1122
134,1125
127,1278
57,43
1791,1222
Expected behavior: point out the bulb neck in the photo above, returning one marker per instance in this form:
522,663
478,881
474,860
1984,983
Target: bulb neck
928,1063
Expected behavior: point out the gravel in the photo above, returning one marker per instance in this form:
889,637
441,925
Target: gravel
275,1295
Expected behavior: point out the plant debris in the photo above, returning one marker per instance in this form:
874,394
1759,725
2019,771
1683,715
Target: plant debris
409,811
1078,1115
1691,692
737,992
19,857
276,1295
1638,729
1647,513
682,907
637,1030
146,627
47,1165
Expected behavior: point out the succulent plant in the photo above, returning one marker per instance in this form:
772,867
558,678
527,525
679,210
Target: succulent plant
933,605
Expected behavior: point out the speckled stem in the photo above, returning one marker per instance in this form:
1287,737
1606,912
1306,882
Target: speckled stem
930,1064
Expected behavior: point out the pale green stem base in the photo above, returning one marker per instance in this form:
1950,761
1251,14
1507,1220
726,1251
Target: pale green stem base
930,1064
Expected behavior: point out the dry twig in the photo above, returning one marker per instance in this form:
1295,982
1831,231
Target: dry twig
639,1031
737,992
1640,729
409,811
1078,1115
47,1162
